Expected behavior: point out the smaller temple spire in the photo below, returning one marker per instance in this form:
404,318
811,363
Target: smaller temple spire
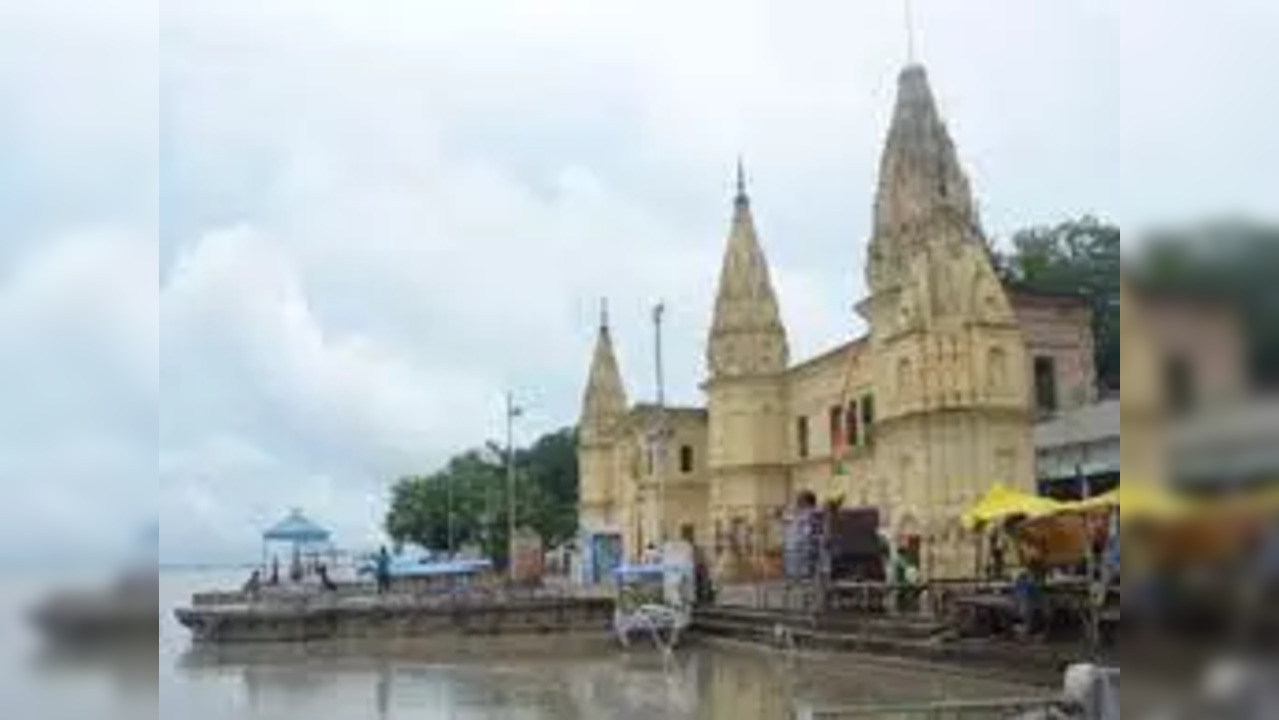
604,401
747,336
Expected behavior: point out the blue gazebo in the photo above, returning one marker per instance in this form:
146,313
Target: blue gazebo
301,534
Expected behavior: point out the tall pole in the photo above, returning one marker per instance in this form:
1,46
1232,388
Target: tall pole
910,32
1084,483
512,412
452,523
660,436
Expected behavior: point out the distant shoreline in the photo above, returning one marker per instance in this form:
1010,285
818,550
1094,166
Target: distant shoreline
205,567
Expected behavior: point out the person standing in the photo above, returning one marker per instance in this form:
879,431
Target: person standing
254,585
995,570
802,542
383,571
651,555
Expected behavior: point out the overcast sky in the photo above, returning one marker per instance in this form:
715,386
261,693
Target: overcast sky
367,220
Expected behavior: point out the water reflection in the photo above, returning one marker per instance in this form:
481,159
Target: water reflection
345,681
567,682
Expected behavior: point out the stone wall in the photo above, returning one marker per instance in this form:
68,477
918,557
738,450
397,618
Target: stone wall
1061,328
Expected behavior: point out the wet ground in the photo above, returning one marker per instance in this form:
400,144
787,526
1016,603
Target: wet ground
531,678
509,679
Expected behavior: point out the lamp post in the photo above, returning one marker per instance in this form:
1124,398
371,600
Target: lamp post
512,412
452,523
659,434
1084,482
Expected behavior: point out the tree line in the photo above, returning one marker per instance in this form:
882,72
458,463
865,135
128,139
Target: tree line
465,503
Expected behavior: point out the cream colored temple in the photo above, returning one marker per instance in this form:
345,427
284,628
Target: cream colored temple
917,418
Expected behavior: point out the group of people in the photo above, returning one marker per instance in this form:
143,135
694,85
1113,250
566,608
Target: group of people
297,575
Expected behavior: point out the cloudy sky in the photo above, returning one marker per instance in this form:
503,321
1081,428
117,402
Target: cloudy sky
258,254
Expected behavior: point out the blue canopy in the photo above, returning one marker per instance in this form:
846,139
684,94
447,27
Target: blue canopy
639,571
407,568
296,528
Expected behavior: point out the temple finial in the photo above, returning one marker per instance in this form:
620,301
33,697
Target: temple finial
910,32
603,314
741,181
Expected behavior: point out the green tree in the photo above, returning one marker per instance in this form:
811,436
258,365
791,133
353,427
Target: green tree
1077,257
473,485
1235,262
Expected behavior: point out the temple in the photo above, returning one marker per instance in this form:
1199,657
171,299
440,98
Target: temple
917,418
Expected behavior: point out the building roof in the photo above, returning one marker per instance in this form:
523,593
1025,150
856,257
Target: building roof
297,528
1236,442
848,346
1019,292
1089,424
646,409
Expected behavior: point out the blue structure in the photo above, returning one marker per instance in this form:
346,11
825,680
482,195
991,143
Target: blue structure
601,555
410,567
297,529
639,572
299,532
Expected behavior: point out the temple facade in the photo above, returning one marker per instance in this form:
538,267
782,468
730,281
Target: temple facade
917,418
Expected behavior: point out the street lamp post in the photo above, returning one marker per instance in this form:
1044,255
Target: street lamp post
452,523
659,450
512,412
1084,483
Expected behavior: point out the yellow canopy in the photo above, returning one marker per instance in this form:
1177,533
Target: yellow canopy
1002,502
1136,501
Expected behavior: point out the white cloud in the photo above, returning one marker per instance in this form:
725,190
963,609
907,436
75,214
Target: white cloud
78,358
1197,116
393,212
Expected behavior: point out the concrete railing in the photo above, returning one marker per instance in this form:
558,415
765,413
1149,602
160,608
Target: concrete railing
918,600
943,710
1089,693
350,593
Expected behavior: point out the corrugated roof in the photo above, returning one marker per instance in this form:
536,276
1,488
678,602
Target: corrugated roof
1089,424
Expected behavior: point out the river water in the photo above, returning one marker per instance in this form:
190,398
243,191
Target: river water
535,679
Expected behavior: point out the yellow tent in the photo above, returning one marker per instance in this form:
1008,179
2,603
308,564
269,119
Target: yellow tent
1136,502
1001,503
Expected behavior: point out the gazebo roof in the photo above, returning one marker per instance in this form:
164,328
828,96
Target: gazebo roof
296,528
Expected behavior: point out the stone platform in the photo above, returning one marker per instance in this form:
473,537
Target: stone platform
905,638
345,617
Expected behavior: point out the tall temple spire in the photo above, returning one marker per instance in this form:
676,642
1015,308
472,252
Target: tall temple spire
747,337
605,399
919,171
923,196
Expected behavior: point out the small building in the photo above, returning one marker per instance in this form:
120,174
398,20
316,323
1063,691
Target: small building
1077,453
